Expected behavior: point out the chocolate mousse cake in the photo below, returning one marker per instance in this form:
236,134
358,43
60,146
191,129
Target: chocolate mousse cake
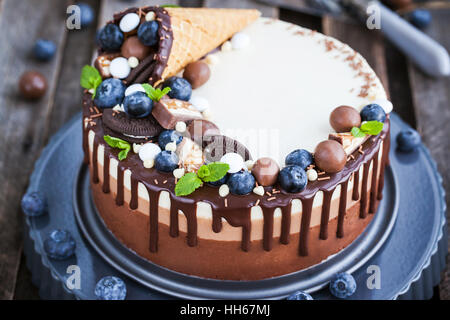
229,146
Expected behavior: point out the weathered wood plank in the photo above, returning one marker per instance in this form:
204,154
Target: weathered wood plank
431,105
22,122
266,11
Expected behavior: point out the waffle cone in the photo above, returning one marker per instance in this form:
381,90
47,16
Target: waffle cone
197,31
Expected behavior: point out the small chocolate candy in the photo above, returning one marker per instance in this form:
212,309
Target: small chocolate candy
32,85
133,47
330,156
103,62
200,129
197,73
344,118
169,111
266,171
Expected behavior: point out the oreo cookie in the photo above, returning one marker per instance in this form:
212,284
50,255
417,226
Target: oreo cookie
219,145
120,125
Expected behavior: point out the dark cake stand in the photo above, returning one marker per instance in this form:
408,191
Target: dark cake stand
405,243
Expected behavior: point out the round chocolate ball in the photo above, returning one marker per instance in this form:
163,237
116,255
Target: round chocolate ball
344,118
330,156
197,73
32,85
266,171
199,129
133,47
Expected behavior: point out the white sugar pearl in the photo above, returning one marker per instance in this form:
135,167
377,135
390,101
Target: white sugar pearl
224,190
136,147
180,126
312,175
149,151
171,146
133,62
119,68
134,88
226,46
385,104
234,160
199,103
178,173
129,22
249,164
212,59
259,190
240,40
150,16
149,163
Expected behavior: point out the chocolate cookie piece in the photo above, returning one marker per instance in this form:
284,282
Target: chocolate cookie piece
220,145
120,125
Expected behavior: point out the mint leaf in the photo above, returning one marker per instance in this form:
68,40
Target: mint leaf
155,94
119,144
90,78
217,170
357,133
187,184
203,172
372,127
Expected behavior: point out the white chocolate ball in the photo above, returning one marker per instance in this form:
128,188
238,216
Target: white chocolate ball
150,16
234,160
134,88
178,173
149,163
224,190
180,126
199,103
149,151
312,175
119,68
226,46
133,62
240,40
171,146
259,190
129,22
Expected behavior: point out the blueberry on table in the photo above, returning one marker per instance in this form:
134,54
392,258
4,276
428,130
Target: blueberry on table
86,14
408,140
168,136
299,157
60,245
138,105
180,88
373,112
109,93
421,18
343,285
110,288
44,50
241,182
300,295
166,161
110,38
148,33
293,178
34,204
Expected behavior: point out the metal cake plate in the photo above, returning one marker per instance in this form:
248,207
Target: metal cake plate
405,241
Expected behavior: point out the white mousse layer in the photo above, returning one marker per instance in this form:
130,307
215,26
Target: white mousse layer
276,94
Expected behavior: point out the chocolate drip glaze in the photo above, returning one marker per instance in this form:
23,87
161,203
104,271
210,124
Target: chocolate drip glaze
384,163
237,212
325,217
152,67
106,187
342,210
373,184
355,192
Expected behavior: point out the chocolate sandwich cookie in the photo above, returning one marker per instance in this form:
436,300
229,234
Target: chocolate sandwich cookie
120,125
220,145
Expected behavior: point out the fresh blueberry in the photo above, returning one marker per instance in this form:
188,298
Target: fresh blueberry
219,182
421,18
109,93
241,182
373,112
169,136
59,245
86,14
300,295
408,140
34,204
299,157
180,88
110,38
293,178
148,33
44,50
138,105
110,288
343,285
166,161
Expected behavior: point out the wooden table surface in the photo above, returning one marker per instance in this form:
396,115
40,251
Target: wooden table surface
25,127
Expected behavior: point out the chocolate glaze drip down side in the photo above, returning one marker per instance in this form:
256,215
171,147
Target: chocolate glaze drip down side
236,209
